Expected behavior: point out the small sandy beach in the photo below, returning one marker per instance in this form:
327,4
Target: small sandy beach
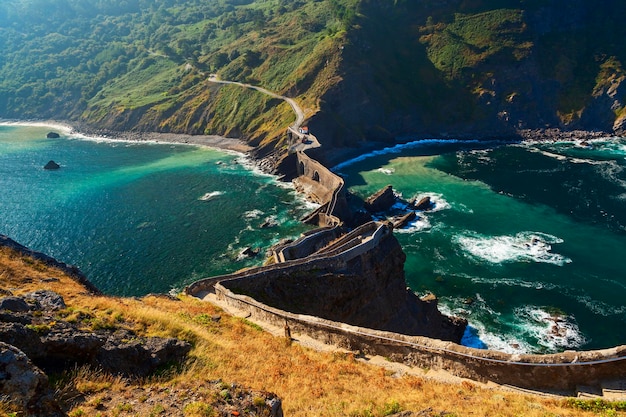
79,130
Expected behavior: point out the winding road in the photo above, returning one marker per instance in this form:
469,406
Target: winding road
310,140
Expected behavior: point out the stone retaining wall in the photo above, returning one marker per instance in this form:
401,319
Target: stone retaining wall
561,372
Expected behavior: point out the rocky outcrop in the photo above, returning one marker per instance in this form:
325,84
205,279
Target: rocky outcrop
53,135
24,385
33,323
70,270
51,165
423,204
358,280
382,200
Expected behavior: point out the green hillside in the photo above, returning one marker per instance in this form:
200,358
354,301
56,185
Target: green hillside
362,69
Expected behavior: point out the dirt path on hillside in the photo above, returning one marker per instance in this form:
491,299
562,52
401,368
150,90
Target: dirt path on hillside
296,108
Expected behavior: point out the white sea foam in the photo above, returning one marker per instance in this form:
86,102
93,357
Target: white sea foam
553,331
600,308
514,282
399,148
66,129
477,336
529,330
210,196
438,203
253,214
420,223
523,247
386,171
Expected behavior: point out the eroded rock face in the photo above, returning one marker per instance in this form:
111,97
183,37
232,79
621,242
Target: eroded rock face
381,200
368,290
25,385
30,323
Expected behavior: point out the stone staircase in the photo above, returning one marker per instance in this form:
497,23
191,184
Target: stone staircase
611,391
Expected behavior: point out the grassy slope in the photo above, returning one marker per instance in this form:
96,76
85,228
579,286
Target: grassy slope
406,65
309,382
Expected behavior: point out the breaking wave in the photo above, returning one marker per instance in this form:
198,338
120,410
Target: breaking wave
210,196
523,247
400,148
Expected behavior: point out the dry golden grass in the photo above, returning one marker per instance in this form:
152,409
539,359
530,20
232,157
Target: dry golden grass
310,383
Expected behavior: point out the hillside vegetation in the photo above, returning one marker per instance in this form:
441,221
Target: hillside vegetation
229,350
362,69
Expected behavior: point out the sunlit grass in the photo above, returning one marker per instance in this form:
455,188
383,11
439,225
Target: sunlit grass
231,349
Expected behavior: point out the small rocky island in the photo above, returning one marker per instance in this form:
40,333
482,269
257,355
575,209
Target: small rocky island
51,165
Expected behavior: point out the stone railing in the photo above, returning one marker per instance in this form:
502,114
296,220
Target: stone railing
561,372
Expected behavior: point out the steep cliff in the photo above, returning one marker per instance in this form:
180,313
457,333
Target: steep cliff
363,285
479,68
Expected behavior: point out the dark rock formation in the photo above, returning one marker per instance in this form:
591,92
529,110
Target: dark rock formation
382,200
53,135
14,304
402,221
24,385
46,300
51,165
423,204
54,344
365,289
70,270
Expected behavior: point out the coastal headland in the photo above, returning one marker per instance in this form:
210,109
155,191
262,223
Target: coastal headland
565,373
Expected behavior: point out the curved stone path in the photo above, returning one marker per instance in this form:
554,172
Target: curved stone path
311,140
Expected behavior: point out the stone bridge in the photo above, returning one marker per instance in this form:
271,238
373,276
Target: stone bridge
324,187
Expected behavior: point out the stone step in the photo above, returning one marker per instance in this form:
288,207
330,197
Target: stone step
588,392
614,390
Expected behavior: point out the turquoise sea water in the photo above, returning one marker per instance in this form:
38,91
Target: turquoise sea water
528,242
525,241
136,217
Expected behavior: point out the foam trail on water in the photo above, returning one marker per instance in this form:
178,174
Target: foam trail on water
386,171
401,147
553,331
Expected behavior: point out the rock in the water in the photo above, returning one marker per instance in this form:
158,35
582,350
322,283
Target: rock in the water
381,200
269,222
404,220
52,165
53,135
250,252
424,204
